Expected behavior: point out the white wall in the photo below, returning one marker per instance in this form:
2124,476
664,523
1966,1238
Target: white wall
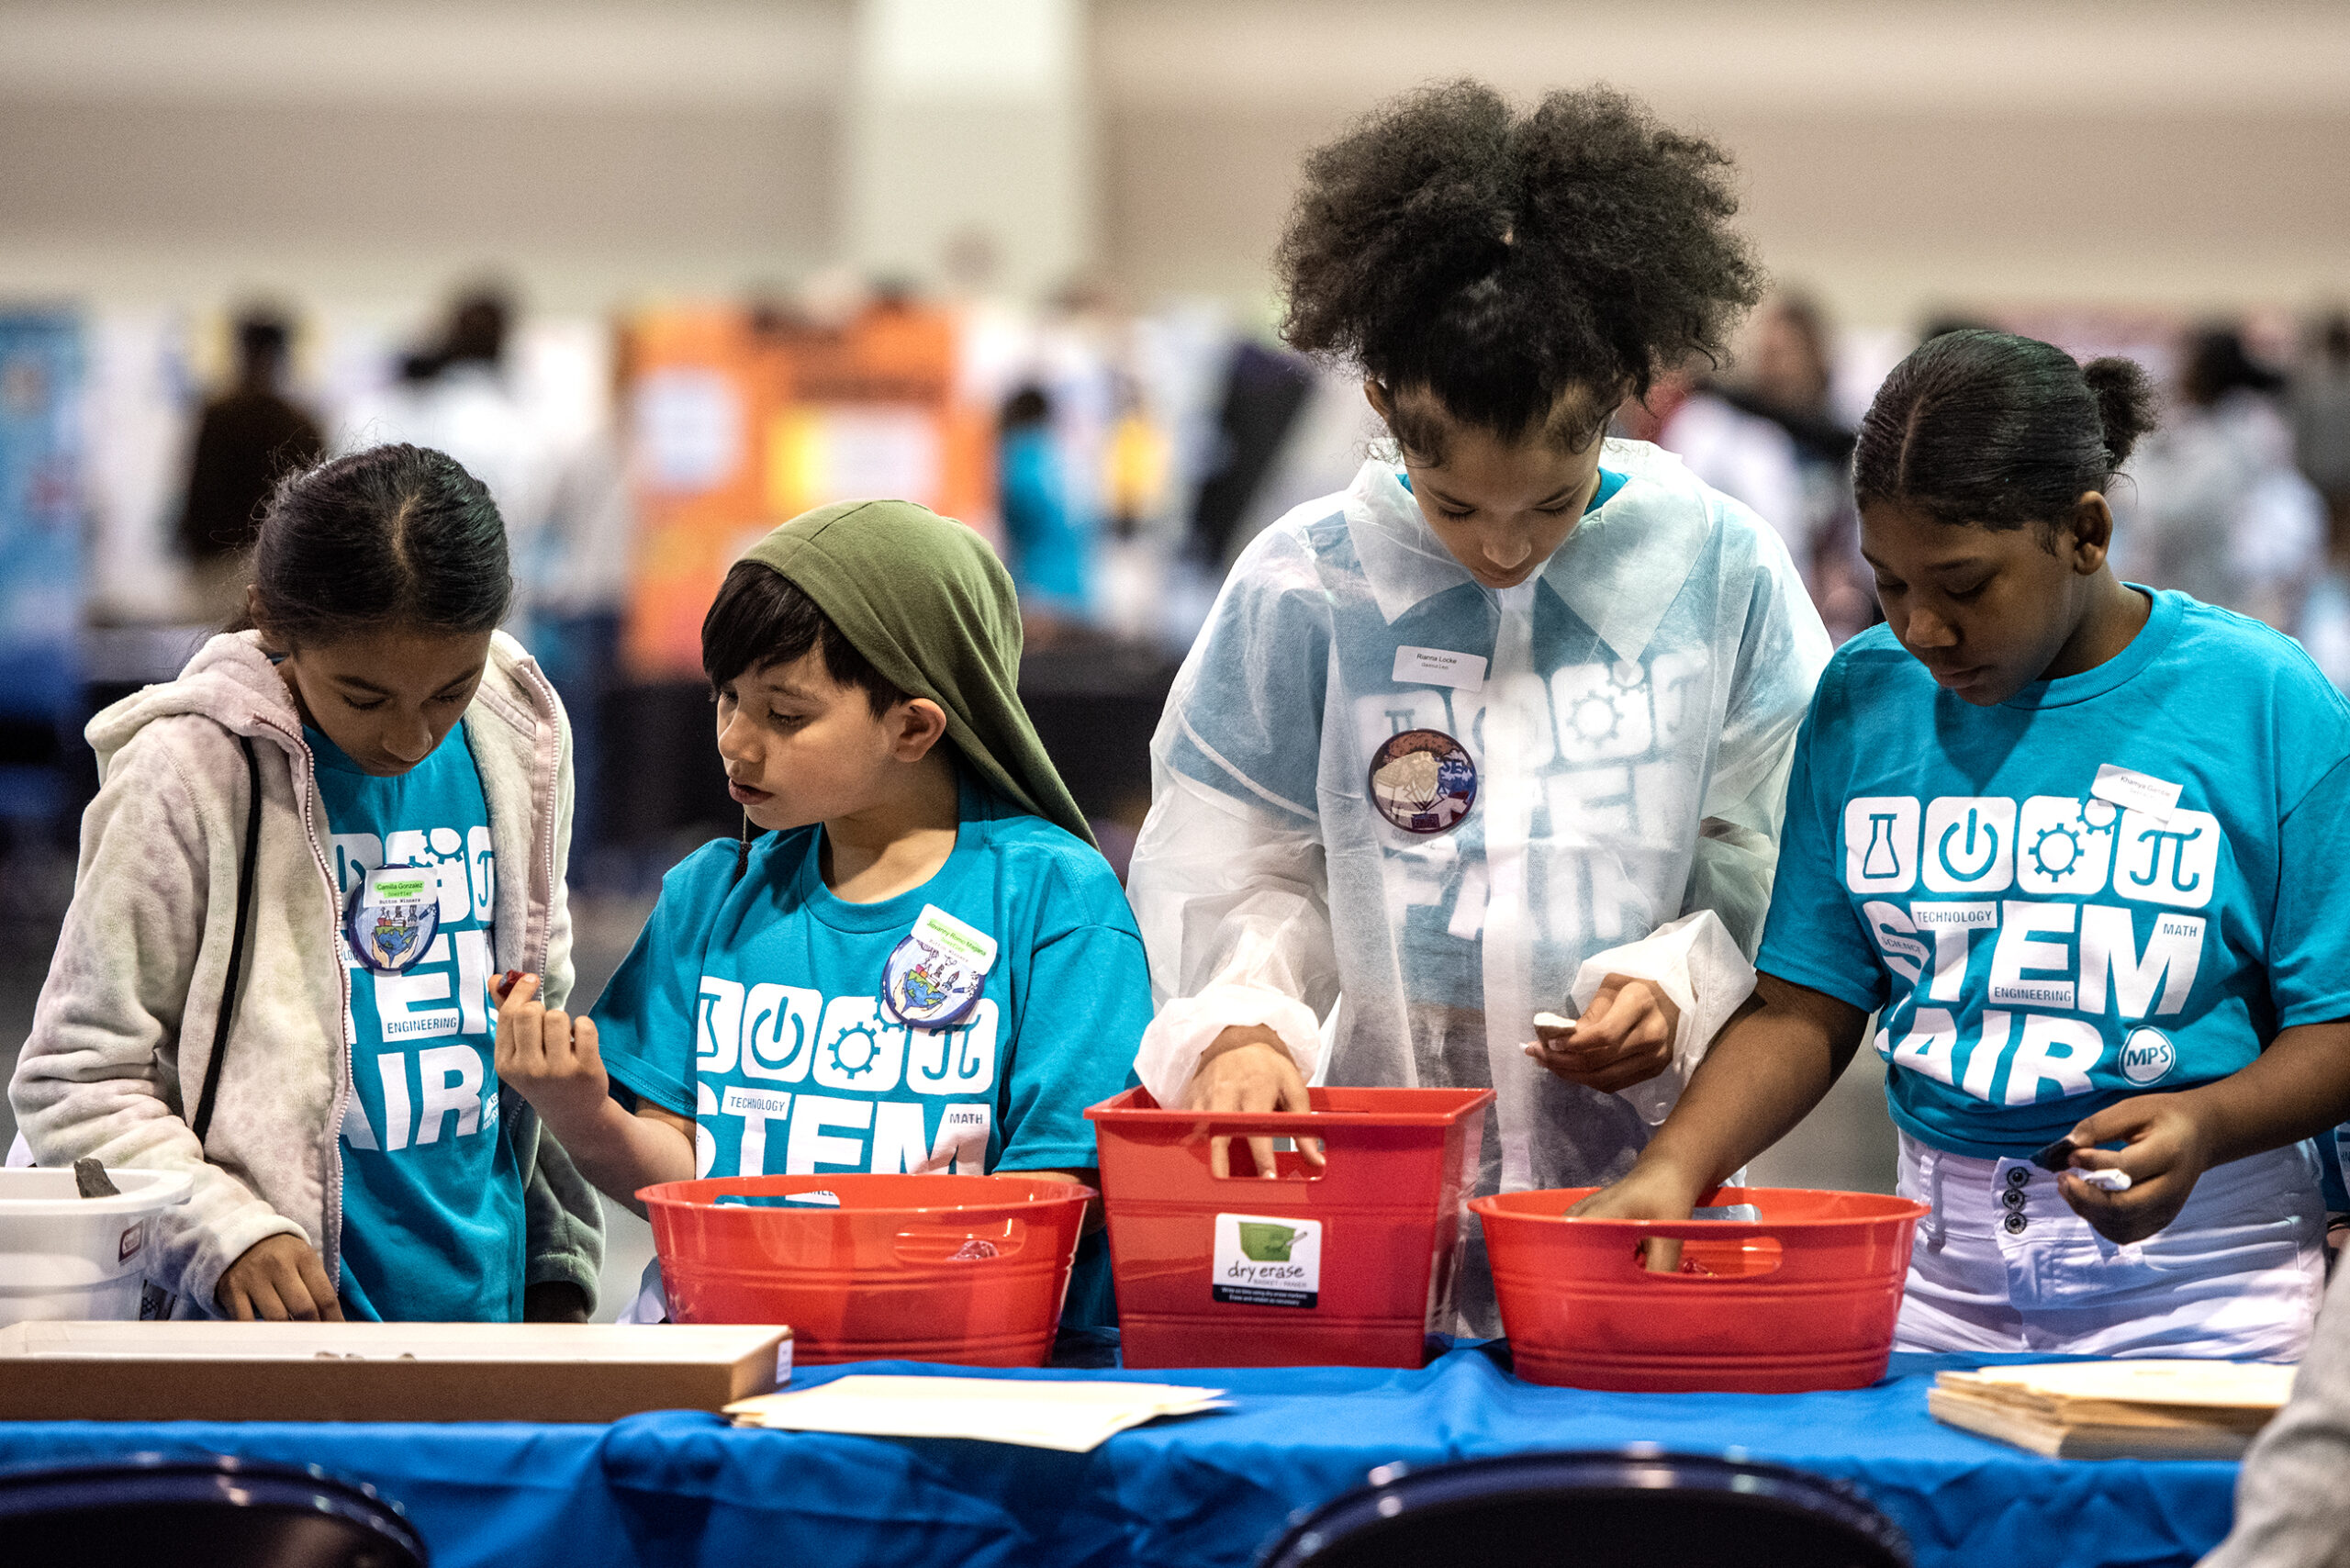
1897,156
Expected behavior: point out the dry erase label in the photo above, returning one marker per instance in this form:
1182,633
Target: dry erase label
1439,667
2136,792
1264,1262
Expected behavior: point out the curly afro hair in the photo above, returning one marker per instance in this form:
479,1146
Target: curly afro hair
1502,259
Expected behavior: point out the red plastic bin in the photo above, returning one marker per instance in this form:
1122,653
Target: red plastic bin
1804,1300
1212,1272
964,1269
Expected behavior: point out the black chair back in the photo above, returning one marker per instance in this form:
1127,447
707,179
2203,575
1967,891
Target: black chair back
154,1512
1594,1510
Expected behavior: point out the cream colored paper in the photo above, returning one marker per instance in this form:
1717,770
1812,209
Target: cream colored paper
1074,1417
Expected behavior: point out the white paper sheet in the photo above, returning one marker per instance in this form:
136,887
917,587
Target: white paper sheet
1074,1417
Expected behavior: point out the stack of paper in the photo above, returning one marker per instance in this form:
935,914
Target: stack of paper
1072,1417
2117,1409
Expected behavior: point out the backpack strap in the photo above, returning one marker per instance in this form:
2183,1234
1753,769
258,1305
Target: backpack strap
202,1121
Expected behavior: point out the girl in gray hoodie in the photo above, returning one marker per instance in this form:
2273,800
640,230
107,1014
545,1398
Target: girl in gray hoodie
308,856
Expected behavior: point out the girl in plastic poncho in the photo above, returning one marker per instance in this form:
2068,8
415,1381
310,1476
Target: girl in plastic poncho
1504,727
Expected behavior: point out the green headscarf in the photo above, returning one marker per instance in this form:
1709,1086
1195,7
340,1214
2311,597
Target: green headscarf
927,603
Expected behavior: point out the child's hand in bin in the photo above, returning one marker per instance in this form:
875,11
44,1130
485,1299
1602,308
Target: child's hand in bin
1248,1070
2167,1148
1624,1037
550,1058
1647,1193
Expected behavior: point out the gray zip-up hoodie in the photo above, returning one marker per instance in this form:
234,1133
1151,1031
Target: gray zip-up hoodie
123,1033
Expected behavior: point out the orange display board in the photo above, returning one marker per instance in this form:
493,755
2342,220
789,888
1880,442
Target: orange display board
740,420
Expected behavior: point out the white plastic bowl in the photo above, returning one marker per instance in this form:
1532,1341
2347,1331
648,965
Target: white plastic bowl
65,1256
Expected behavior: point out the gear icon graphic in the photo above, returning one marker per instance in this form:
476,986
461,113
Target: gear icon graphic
2099,816
1595,720
2055,860
867,1055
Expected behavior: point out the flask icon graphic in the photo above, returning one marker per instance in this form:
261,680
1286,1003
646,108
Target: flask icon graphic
1879,859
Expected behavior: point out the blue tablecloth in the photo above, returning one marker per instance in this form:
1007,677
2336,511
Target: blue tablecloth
682,1487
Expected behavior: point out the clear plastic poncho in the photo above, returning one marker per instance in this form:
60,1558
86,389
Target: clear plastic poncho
1630,729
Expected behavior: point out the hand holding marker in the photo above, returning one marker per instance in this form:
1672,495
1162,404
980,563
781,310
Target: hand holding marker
2057,1158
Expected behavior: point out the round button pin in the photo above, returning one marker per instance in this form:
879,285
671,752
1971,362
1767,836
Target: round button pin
928,988
1423,781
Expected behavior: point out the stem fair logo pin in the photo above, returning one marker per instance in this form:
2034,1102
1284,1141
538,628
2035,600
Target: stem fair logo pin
1423,781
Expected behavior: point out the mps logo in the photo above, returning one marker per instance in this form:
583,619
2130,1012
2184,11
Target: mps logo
2147,1057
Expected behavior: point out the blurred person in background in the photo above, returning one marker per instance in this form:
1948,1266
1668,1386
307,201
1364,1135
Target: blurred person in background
1738,453
2220,512
1769,436
249,437
2319,400
1045,541
566,506
1788,379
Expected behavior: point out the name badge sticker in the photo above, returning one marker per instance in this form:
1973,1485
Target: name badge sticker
966,942
394,911
1439,667
2136,792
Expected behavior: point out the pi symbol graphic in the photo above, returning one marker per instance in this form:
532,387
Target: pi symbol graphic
2172,862
1970,843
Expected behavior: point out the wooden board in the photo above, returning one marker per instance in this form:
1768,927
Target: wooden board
379,1372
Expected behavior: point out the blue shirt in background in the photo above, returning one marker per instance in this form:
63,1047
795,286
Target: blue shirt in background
754,1008
433,1221
2038,949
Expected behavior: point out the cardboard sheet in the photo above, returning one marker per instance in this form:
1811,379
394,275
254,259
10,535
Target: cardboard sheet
1075,1417
379,1372
2149,1409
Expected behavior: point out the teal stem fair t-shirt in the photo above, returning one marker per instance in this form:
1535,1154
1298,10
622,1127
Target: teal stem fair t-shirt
2125,881
433,1228
755,1008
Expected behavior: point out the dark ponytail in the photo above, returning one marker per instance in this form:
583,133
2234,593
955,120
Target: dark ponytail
2125,406
1998,431
393,535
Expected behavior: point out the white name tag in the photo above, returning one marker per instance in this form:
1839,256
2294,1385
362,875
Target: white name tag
2136,792
966,942
1439,667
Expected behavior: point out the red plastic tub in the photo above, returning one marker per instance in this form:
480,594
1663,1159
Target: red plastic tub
1352,1267
1804,1300
963,1268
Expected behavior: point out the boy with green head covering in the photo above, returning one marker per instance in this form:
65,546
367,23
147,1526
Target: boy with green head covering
914,959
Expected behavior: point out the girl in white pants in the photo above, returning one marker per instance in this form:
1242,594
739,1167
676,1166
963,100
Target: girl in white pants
2081,848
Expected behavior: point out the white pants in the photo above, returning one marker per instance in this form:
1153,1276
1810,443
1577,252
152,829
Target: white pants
2003,1263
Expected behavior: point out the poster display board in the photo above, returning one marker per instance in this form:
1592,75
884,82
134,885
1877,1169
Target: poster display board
739,420
40,512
